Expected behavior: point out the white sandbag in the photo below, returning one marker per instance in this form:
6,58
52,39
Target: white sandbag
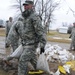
17,52
57,72
67,68
42,63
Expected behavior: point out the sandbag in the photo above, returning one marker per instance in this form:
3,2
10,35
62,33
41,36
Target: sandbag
17,53
42,63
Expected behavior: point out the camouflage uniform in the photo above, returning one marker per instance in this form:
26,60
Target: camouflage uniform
12,39
8,26
73,38
15,41
31,33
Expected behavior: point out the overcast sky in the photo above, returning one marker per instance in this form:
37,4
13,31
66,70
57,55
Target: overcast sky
61,15
4,9
64,14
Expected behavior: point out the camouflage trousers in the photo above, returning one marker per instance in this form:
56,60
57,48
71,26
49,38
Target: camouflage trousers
28,55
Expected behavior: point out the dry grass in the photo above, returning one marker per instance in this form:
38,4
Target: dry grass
2,31
51,33
59,40
57,34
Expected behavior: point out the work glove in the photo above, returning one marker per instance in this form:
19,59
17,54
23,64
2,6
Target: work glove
42,50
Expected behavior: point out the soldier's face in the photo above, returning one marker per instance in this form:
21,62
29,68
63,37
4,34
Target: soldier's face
27,6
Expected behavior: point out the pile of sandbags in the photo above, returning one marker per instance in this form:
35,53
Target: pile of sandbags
61,59
56,53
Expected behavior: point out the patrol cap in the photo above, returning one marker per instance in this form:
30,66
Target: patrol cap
28,2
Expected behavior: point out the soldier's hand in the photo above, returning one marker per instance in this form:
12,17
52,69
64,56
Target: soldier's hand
42,50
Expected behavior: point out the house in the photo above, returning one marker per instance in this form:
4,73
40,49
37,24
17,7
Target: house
62,29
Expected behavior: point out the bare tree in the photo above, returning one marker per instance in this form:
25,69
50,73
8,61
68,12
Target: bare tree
70,9
45,8
17,4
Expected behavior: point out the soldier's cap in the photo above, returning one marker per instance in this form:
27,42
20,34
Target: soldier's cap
28,2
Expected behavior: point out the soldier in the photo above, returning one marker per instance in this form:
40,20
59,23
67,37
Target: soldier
72,36
31,33
8,26
15,41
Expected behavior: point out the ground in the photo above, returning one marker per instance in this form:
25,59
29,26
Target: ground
53,66
64,43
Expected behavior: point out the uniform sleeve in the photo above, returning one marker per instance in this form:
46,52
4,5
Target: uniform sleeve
39,30
13,35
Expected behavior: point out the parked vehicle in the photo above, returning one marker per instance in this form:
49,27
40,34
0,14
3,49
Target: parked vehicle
62,29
